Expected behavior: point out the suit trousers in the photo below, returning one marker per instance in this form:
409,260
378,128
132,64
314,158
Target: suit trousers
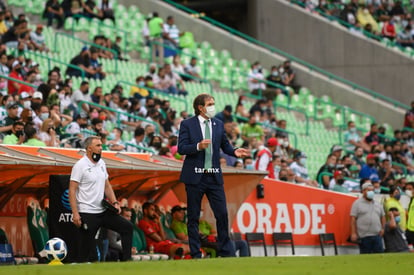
215,194
109,220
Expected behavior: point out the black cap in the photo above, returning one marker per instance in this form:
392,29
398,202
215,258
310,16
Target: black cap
228,108
177,208
12,105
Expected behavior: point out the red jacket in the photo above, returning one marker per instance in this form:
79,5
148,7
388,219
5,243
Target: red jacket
269,167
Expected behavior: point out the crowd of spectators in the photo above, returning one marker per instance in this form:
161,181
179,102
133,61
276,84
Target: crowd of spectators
388,19
58,114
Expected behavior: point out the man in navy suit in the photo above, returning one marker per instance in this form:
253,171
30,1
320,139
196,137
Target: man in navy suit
200,139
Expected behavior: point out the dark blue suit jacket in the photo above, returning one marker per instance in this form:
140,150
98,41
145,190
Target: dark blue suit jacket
190,134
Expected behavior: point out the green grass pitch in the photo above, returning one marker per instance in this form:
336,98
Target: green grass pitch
346,264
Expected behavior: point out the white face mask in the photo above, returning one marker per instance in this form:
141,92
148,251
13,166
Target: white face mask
210,111
44,116
409,193
27,104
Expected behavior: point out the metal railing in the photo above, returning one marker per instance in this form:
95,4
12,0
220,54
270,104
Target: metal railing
203,80
88,43
345,111
141,147
293,58
287,107
180,52
18,81
118,114
319,179
402,166
155,91
50,59
408,129
264,81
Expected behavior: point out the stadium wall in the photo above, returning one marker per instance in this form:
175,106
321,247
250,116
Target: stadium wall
332,47
240,48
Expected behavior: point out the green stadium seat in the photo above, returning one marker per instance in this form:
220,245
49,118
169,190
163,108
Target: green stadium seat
295,102
19,3
205,46
225,82
282,100
224,55
37,228
310,99
211,54
338,119
389,131
304,93
68,23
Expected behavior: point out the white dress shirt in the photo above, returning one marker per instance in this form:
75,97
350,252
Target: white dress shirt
203,131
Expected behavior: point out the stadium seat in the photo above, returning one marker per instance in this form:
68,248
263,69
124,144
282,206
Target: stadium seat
296,102
282,100
327,239
256,239
283,239
37,229
236,236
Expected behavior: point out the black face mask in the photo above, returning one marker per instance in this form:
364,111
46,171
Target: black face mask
157,144
85,92
150,106
150,135
29,119
253,124
340,181
83,125
173,143
284,178
348,166
96,157
19,133
125,106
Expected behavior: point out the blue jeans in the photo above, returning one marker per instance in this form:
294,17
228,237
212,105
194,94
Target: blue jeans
371,244
50,16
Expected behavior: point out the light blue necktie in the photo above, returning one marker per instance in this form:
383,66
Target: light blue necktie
207,157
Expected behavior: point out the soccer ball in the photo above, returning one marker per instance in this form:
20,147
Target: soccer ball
56,249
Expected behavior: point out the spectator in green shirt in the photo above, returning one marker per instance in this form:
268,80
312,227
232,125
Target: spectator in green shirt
32,139
17,135
179,227
252,130
155,26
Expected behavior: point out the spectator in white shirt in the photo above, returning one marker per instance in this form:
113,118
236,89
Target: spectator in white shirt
38,40
115,143
192,69
171,33
255,79
82,95
173,77
299,168
138,140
